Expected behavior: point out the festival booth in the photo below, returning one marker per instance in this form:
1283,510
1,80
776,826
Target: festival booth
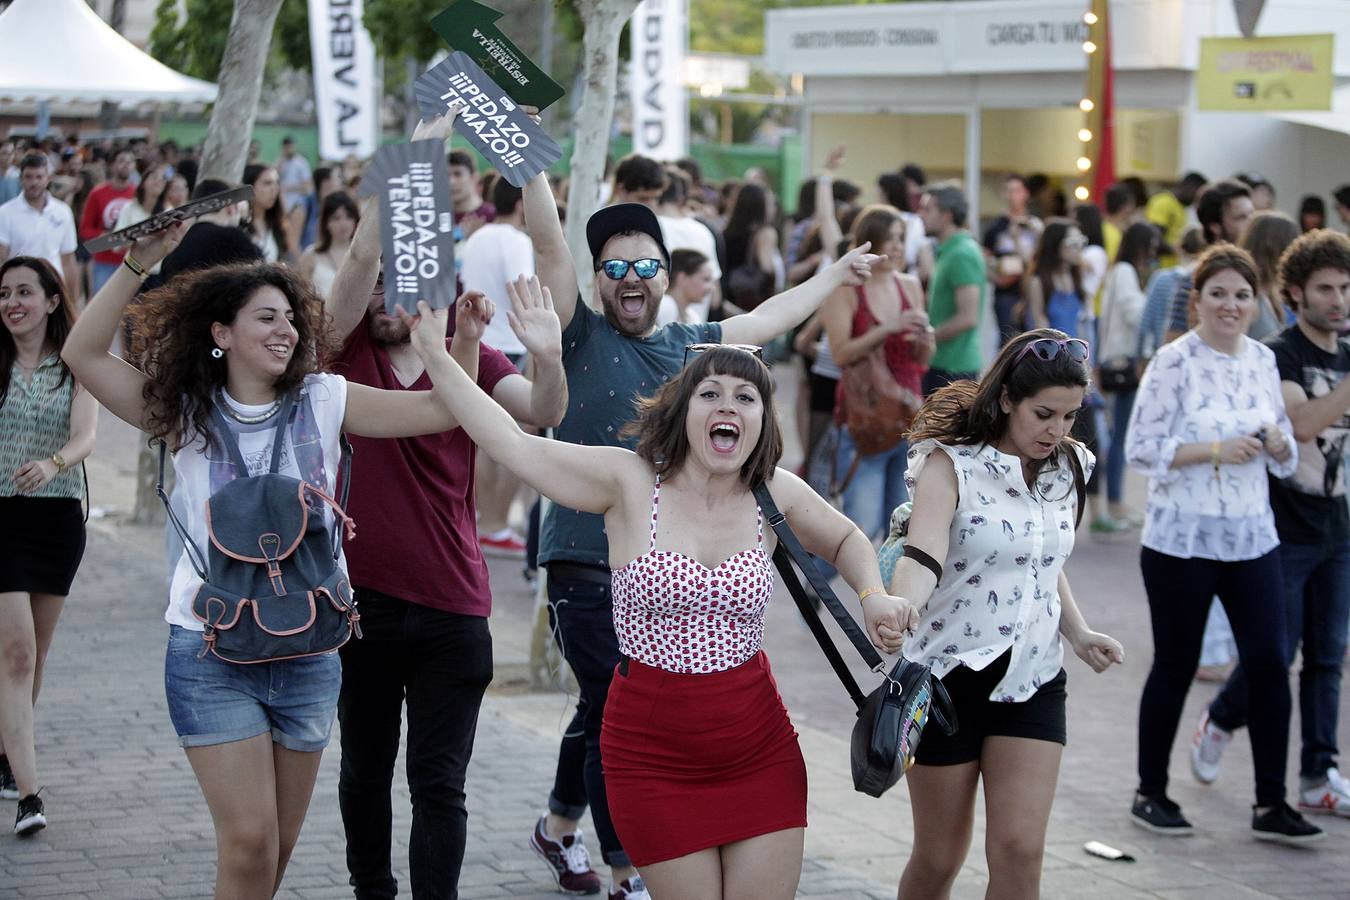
60,53
980,88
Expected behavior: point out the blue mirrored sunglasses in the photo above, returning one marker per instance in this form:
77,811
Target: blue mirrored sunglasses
616,269
1046,349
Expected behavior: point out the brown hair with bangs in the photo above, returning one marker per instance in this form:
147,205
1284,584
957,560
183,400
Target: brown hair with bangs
1220,257
660,425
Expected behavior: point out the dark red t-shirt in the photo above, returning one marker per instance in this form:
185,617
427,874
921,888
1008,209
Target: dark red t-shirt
412,498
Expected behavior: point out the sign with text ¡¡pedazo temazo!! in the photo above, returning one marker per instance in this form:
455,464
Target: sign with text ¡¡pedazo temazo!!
469,26
412,181
491,121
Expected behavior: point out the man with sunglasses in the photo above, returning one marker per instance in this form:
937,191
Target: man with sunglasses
611,357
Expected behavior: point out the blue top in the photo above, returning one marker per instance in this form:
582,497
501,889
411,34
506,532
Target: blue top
606,372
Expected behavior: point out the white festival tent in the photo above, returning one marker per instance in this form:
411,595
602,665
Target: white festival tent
60,51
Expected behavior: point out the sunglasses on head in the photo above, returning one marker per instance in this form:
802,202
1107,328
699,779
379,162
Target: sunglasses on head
756,352
1046,349
616,269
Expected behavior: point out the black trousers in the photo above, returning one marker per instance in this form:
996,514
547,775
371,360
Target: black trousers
440,664
1179,595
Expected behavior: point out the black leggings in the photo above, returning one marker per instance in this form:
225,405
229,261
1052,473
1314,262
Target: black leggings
1179,595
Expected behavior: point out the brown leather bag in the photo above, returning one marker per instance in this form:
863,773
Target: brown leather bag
875,408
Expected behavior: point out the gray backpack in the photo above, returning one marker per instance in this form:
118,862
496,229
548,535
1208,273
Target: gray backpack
272,588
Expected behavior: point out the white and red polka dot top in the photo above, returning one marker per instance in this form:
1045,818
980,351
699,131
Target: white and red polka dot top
674,613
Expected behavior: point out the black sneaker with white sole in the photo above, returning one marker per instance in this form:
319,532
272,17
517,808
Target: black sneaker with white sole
1281,824
31,817
1160,816
9,788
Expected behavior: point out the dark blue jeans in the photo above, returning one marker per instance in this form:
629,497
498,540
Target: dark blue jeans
1121,404
1317,608
1179,594
440,664
582,616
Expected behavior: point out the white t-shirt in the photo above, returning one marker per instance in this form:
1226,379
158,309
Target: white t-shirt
317,420
690,234
492,256
695,313
46,234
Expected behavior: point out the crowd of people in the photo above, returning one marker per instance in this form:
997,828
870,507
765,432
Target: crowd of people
976,371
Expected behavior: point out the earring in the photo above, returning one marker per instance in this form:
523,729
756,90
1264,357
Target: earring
217,353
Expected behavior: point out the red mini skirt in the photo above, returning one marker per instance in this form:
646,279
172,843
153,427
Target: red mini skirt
698,761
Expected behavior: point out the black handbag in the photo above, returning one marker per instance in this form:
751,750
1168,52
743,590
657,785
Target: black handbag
1118,377
892,717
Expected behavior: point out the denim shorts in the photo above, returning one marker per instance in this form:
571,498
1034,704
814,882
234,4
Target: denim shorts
215,702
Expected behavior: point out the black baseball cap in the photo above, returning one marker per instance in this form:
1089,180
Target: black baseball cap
623,218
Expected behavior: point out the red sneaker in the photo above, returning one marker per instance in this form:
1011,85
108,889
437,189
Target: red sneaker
567,860
503,543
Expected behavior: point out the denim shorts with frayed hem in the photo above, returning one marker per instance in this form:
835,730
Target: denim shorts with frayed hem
215,702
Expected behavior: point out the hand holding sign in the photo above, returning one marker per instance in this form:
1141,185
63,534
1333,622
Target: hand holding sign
416,224
491,121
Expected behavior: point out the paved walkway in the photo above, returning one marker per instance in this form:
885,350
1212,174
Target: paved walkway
128,821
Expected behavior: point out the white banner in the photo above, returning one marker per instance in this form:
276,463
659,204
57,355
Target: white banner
345,98
660,36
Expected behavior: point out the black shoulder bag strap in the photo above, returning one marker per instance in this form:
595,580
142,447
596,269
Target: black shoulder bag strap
1078,485
789,551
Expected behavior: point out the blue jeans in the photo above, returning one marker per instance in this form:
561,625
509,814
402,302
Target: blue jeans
877,486
582,615
1122,404
1317,609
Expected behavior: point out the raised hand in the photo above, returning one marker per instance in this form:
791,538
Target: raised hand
473,312
855,266
532,318
151,249
834,158
427,329
439,128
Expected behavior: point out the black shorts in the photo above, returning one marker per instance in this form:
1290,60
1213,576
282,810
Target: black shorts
1040,718
823,389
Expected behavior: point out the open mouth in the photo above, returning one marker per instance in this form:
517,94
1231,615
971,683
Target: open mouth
17,315
632,303
281,351
724,436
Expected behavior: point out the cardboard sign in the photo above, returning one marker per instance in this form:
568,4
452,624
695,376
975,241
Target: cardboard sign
190,210
412,181
491,121
468,26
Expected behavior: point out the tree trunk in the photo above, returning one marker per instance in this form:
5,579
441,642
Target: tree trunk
603,21
241,74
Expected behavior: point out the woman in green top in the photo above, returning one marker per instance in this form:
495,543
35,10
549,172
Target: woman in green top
48,422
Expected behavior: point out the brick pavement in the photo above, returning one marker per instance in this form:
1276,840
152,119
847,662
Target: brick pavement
127,821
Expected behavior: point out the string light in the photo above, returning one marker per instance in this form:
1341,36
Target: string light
1086,105
1090,18
1084,163
1084,135
1081,192
1089,47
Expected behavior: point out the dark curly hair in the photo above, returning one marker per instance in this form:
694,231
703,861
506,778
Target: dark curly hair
172,343
660,426
1320,248
970,412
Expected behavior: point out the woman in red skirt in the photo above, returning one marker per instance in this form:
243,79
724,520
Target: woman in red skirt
705,779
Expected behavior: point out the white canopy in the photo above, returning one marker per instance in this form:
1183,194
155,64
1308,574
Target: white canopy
60,50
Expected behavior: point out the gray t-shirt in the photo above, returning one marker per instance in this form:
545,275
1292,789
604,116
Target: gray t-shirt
606,372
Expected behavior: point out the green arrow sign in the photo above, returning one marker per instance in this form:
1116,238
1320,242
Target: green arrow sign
470,26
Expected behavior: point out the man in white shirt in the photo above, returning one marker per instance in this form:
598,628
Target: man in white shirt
37,224
496,253
682,231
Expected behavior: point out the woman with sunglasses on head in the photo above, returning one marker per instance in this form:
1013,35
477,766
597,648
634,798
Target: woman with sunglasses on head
1208,428
996,481
887,312
230,347
704,777
47,421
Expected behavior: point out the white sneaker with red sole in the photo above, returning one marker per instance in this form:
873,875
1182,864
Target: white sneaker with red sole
503,543
1331,798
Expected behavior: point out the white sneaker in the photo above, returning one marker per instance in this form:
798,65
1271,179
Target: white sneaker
1207,749
1331,798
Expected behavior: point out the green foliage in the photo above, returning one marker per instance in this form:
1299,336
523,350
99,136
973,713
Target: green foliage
400,28
195,45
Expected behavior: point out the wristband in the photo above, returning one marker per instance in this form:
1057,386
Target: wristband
138,269
1214,455
867,592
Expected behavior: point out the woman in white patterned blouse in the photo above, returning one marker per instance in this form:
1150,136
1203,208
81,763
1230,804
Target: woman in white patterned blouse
997,484
1208,427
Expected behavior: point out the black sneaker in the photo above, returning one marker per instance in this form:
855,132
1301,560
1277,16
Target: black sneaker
1160,816
1284,826
31,817
9,788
